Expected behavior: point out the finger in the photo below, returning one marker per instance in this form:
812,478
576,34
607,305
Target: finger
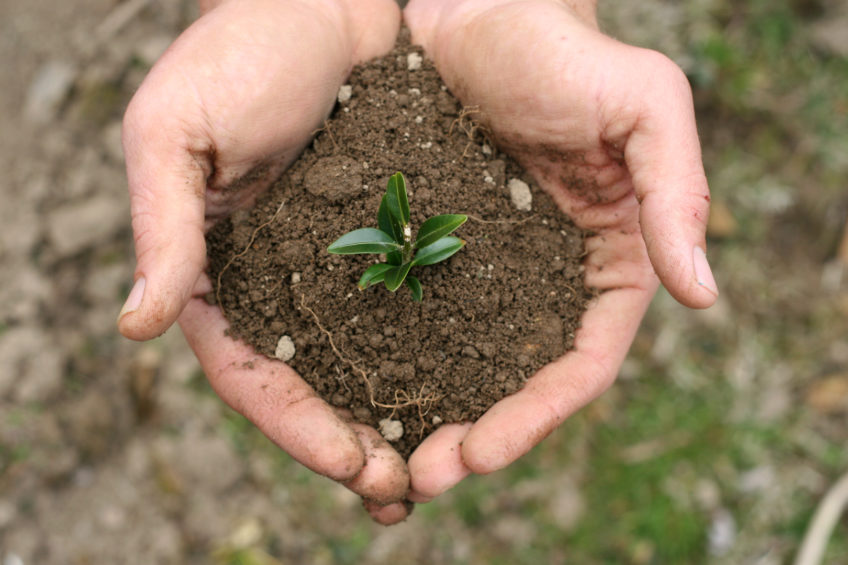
436,465
272,396
390,514
617,259
166,185
422,18
384,479
514,425
375,25
663,155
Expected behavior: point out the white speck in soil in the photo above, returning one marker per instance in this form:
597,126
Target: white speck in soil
285,349
413,61
392,430
520,195
345,92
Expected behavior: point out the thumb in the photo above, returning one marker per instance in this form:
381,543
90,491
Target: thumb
167,188
663,155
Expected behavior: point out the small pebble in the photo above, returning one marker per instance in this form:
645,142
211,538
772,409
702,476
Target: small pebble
470,351
413,61
285,349
50,87
345,92
520,195
392,430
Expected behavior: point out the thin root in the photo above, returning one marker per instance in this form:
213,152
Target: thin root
242,254
326,127
469,126
402,398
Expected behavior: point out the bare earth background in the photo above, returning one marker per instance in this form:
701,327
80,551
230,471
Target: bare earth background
725,429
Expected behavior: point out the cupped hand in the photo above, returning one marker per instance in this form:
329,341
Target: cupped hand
230,104
608,130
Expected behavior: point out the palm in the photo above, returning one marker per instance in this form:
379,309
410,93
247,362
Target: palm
237,113
227,108
575,108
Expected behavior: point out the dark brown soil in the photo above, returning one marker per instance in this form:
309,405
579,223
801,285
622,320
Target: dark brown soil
506,304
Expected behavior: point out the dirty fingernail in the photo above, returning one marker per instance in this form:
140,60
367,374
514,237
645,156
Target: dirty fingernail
703,273
134,299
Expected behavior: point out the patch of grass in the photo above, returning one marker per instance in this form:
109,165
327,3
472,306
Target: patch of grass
643,472
350,548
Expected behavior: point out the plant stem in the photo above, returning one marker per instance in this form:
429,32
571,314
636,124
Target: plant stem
407,251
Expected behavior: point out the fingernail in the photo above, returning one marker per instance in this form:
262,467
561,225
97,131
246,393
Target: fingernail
134,299
703,273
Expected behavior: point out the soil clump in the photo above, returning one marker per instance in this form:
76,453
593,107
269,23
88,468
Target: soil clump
509,302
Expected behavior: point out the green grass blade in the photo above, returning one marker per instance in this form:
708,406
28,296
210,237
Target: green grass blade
438,251
394,278
415,286
373,275
396,200
364,240
387,222
438,227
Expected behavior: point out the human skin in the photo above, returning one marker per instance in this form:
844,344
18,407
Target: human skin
239,94
608,130
230,104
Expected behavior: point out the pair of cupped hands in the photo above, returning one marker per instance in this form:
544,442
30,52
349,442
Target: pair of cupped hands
607,129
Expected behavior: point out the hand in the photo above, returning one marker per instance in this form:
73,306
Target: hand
225,110
608,131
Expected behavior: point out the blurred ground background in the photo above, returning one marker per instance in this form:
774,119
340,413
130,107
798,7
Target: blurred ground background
723,433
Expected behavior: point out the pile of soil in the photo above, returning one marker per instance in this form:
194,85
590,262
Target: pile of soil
506,304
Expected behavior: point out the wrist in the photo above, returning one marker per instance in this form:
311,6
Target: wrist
363,23
427,18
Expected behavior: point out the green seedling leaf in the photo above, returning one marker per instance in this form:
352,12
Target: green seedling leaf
396,199
395,258
364,240
373,275
394,277
438,227
438,251
387,222
415,286
394,240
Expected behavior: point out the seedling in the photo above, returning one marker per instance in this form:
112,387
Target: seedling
433,242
